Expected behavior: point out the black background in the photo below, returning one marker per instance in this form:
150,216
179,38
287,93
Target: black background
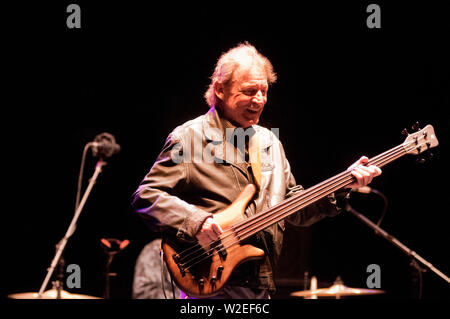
138,70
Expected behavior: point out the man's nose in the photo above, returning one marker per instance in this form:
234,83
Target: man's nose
258,97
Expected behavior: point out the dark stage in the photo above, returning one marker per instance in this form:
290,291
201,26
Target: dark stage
137,71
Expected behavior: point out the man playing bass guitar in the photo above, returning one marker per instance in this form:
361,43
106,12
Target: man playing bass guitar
207,162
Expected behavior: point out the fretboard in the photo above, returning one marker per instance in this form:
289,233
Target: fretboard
276,213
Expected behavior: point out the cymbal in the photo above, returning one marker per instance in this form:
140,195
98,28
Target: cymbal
337,290
50,294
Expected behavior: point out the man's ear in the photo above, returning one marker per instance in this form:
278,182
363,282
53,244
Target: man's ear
219,90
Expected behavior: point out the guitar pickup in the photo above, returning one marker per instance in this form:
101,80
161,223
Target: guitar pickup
182,271
221,250
176,258
222,253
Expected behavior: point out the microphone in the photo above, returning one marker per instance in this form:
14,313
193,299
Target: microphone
363,190
104,146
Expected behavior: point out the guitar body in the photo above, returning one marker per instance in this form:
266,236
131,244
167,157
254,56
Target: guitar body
208,277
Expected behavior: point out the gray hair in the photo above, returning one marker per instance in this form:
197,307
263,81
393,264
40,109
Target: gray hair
242,54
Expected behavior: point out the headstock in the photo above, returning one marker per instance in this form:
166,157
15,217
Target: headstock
420,141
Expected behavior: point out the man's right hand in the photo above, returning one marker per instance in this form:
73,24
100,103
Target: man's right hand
209,232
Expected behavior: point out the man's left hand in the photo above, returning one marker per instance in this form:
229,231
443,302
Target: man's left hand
363,174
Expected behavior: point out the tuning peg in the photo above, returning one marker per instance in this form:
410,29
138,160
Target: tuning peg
405,132
429,155
415,127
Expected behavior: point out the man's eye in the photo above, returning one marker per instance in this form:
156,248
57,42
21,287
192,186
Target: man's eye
253,92
249,92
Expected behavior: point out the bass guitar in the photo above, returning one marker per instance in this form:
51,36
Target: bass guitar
203,272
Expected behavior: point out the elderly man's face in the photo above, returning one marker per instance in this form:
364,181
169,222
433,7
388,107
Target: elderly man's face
244,98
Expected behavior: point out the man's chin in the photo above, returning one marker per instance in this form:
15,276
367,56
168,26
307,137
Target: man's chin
247,122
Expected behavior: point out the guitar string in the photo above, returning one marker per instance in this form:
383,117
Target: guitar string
314,188
231,229
261,218
266,224
333,187
276,206
247,232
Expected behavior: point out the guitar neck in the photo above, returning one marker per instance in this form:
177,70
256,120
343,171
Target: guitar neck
258,222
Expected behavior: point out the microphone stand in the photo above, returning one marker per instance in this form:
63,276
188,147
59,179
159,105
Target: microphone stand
108,273
414,256
71,229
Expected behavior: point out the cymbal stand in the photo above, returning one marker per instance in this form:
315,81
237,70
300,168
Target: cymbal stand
72,226
58,284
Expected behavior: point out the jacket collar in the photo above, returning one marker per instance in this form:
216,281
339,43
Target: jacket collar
213,128
214,131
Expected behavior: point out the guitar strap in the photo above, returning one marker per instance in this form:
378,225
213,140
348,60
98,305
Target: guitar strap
255,162
255,158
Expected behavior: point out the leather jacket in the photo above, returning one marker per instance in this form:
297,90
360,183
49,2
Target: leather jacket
177,195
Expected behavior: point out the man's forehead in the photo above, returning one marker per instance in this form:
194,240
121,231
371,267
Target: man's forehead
250,75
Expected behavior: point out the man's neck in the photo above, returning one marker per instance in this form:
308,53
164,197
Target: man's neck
228,123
